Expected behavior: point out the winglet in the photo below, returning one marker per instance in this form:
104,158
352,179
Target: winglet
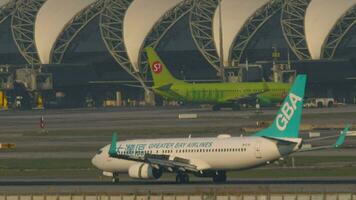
113,148
340,141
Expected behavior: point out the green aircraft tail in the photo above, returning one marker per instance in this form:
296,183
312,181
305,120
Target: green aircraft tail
113,146
286,124
160,73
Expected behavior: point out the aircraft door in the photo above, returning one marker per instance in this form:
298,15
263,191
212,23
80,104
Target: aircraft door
258,152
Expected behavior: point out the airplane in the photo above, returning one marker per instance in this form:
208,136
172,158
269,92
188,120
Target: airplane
211,156
218,94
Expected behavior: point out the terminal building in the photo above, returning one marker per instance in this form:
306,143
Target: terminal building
72,52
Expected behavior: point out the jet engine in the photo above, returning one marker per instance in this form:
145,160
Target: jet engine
144,171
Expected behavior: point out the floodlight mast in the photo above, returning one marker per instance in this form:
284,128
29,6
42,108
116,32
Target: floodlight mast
222,67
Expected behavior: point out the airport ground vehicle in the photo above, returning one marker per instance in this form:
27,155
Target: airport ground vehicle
219,94
319,102
212,156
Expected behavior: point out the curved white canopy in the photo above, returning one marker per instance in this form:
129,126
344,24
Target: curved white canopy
51,19
235,13
321,17
140,18
4,2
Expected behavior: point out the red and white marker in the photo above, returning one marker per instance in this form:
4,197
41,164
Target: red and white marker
42,123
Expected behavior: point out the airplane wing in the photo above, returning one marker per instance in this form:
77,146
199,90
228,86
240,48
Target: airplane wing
247,98
161,161
158,161
167,89
136,86
339,142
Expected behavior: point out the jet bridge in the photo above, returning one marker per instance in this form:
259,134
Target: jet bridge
34,80
6,78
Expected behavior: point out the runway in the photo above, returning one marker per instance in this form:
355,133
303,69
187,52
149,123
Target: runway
169,187
78,133
146,118
75,135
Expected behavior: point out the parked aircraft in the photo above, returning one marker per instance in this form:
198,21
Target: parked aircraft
212,156
218,94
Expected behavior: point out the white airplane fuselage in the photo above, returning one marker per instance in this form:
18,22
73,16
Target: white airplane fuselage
218,153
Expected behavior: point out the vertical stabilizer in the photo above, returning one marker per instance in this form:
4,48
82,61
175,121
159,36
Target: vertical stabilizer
113,146
160,73
287,121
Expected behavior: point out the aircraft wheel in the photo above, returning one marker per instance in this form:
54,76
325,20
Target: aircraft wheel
216,108
182,178
219,177
185,178
115,180
236,107
179,179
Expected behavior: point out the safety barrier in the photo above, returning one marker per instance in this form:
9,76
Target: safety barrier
252,196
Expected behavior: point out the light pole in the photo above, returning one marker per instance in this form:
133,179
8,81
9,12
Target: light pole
222,67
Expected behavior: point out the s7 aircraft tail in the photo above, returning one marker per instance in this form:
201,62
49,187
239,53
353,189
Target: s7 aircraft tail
287,121
160,73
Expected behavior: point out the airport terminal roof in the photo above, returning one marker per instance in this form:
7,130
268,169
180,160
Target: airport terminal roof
51,19
140,18
4,2
235,13
320,19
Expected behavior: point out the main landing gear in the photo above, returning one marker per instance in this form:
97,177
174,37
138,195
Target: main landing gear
182,178
216,107
219,177
115,178
236,106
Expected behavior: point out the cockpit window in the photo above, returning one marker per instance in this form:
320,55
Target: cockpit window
99,152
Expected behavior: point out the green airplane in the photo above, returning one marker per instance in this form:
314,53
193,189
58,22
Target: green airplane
218,94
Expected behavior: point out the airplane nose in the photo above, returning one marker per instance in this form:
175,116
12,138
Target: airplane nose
95,161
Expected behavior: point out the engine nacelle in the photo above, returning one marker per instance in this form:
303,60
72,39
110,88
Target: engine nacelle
144,171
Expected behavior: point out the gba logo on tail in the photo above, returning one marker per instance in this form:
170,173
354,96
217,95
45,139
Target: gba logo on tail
287,110
157,67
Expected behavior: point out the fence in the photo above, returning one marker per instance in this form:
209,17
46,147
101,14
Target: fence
281,196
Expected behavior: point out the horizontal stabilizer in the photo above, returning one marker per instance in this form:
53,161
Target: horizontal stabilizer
340,141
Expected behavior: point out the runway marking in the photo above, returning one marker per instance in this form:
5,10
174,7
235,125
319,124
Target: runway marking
172,183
